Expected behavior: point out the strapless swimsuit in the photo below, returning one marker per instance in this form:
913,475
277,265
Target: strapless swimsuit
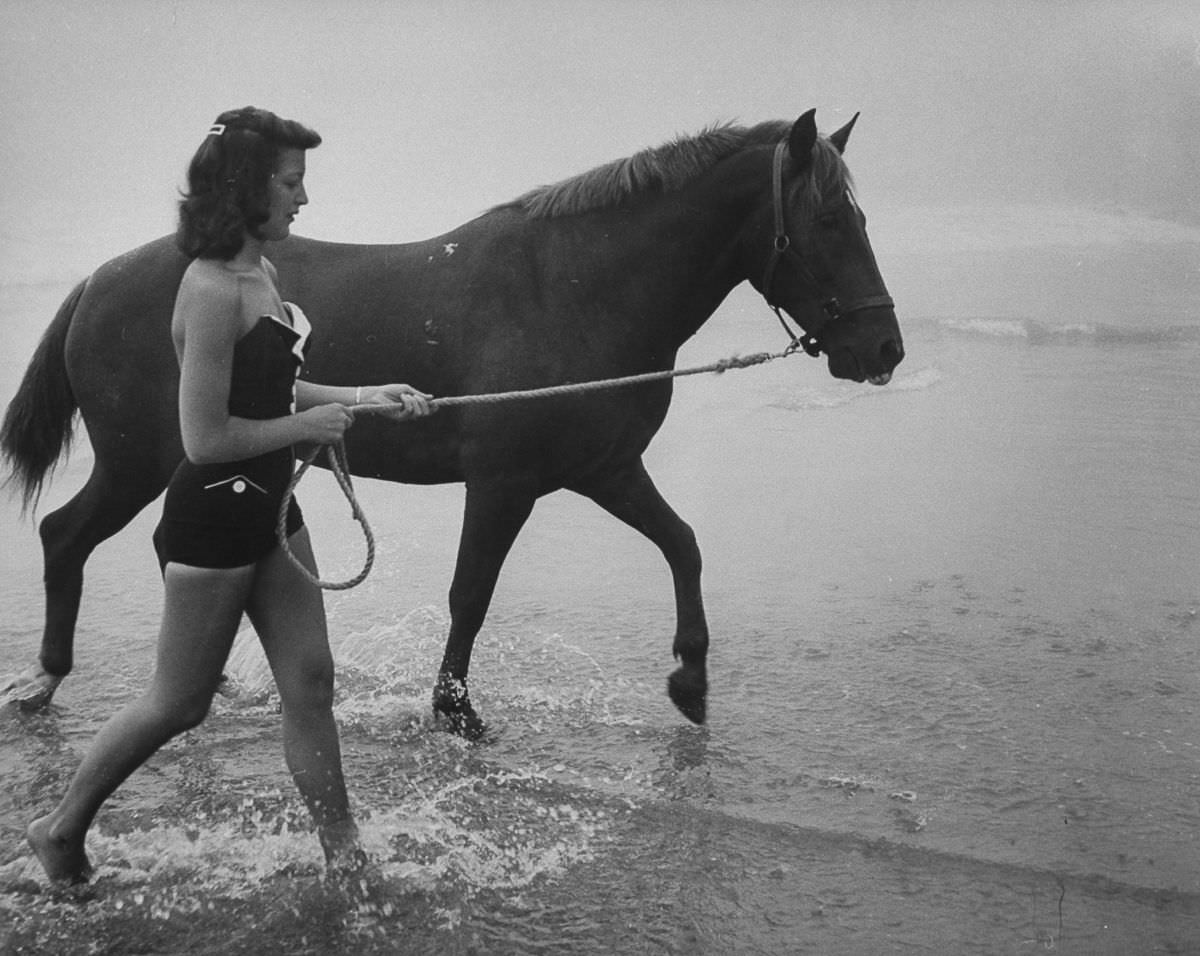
224,515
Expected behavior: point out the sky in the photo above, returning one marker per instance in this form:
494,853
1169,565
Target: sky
431,112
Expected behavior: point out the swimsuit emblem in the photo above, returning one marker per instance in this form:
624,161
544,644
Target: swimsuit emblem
237,484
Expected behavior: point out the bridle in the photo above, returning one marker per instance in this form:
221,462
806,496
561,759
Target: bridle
782,246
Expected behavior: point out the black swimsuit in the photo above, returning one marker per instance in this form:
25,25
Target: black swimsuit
224,515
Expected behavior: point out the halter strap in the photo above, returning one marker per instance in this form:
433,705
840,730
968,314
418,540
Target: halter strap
777,196
782,245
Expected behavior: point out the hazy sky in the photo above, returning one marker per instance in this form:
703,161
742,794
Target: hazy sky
433,111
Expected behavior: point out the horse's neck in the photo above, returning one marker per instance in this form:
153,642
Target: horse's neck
700,236
671,258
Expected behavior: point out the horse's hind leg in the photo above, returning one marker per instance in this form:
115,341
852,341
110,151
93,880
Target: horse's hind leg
495,513
630,494
104,505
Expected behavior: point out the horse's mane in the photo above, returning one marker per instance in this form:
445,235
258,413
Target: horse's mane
669,167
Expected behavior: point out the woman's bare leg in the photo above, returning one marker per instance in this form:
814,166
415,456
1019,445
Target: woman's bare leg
288,612
201,614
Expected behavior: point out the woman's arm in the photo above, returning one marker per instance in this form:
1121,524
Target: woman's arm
208,320
310,394
396,401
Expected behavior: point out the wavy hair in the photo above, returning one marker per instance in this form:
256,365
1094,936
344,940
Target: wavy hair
228,178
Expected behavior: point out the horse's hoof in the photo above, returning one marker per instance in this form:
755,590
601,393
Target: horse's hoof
32,689
453,705
688,690
467,725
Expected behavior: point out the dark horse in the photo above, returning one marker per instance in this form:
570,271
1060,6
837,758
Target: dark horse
606,274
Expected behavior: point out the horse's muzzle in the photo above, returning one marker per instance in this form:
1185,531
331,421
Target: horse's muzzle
866,365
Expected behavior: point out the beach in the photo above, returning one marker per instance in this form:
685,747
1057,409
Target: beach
954,665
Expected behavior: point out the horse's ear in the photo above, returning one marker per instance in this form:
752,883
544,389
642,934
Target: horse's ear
802,139
839,138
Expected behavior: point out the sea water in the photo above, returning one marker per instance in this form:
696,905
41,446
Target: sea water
954,668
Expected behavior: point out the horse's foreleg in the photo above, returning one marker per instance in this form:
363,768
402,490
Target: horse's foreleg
630,495
102,507
494,515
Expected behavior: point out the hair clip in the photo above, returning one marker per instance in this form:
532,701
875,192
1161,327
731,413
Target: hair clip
216,129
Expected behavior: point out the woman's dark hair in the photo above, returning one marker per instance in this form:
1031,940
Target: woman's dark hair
228,179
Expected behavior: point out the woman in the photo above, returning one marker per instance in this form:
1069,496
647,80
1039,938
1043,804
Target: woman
241,409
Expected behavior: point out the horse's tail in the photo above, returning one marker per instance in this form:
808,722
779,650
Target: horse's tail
40,420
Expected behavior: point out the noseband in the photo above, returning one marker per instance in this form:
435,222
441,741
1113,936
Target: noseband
782,246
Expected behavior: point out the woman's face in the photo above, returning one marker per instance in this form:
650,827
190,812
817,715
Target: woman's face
286,194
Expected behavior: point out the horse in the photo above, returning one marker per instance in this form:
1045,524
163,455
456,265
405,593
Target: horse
603,274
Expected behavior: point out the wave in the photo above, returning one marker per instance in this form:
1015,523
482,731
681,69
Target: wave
933,230
1035,332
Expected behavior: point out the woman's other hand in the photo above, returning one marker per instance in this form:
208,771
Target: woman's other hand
326,424
400,402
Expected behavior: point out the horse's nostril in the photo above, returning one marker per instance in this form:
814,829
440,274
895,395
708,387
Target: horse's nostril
891,352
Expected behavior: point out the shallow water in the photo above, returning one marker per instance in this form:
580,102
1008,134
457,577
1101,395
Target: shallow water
955,671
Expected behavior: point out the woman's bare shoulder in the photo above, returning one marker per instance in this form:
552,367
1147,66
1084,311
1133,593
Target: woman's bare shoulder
211,294
209,279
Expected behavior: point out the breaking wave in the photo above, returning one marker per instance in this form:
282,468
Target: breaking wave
1071,333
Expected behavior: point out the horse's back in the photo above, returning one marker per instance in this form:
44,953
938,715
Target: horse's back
395,312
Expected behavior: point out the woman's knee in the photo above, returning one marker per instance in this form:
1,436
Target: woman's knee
178,713
307,683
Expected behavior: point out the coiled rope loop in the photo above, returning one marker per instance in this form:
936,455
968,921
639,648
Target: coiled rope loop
338,464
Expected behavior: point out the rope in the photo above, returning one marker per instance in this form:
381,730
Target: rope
492,398
338,464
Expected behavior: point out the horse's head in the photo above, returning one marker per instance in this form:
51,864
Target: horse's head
819,266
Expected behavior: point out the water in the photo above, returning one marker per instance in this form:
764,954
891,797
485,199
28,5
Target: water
955,676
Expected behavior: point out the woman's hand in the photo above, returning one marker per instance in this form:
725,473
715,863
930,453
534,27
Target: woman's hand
400,402
325,424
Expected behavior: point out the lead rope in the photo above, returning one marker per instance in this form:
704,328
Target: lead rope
339,465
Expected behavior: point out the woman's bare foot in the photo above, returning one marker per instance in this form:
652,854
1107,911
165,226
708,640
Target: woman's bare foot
64,861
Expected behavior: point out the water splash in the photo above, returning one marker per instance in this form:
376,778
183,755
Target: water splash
380,657
455,837
836,394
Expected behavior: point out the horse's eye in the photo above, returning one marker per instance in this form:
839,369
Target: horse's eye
828,221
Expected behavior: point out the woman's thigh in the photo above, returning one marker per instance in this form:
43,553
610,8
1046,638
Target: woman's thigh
202,610
288,612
